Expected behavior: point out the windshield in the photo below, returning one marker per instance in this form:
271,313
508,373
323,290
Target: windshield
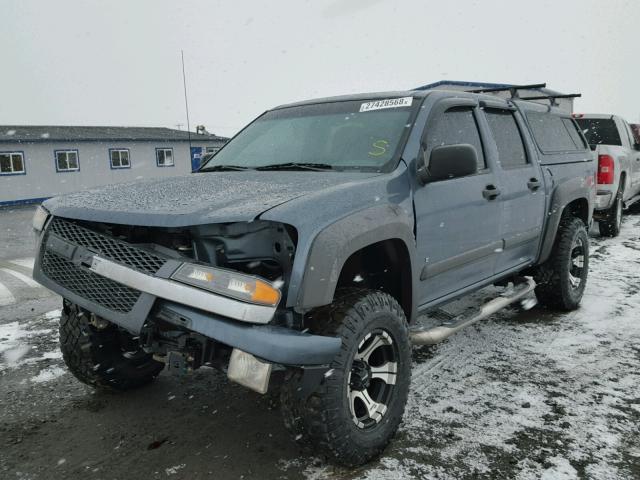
600,131
362,135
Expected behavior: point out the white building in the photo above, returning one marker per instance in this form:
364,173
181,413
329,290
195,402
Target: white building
38,162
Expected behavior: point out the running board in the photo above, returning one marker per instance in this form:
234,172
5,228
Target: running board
437,334
631,201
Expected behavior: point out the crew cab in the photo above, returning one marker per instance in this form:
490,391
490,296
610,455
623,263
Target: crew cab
618,153
311,243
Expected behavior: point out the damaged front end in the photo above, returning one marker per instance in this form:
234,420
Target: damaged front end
193,295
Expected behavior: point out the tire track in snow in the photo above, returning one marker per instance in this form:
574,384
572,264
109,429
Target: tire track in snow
6,297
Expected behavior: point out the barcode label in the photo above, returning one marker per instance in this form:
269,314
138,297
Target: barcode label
387,103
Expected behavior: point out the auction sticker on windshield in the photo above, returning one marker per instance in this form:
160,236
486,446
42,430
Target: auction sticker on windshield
387,103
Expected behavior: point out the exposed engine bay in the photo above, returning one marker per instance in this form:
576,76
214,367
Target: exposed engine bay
261,248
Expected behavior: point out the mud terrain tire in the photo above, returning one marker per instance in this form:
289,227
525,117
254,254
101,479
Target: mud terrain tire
556,278
611,221
336,419
108,358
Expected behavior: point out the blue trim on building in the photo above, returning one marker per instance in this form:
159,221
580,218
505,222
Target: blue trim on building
70,170
25,201
111,160
24,164
173,159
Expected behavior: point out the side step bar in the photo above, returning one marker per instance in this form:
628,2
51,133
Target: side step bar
631,201
435,335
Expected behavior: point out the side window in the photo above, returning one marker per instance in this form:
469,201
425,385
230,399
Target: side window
455,126
574,133
635,131
629,134
511,151
550,133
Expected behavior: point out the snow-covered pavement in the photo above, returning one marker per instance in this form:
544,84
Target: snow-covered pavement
530,395
523,395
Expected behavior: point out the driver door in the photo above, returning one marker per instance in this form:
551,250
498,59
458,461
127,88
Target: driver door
457,219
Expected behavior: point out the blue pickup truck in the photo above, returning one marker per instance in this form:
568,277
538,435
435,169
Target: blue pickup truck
312,241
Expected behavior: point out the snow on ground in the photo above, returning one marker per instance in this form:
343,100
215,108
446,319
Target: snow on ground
523,395
529,395
28,342
48,374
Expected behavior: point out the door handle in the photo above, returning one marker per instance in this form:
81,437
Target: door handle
490,192
533,184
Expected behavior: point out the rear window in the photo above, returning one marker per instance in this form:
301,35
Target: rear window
552,133
600,131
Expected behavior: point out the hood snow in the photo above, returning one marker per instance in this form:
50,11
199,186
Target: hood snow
197,198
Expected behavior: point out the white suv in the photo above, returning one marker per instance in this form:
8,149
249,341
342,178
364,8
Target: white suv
618,167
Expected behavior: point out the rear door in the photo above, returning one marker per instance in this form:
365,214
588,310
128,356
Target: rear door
634,156
457,225
522,201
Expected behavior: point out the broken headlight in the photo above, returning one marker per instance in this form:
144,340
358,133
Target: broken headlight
228,283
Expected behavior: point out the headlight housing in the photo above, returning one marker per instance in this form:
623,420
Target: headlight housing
40,218
228,283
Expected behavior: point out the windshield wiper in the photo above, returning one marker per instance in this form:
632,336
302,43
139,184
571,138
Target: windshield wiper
224,168
318,167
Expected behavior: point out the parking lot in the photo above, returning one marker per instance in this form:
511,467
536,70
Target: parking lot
522,395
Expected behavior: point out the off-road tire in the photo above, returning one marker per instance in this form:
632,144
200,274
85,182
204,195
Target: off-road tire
323,419
106,359
553,284
611,220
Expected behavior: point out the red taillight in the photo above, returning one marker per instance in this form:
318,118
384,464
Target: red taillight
605,169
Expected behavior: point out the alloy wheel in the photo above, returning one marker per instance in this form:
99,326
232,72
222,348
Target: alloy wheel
372,379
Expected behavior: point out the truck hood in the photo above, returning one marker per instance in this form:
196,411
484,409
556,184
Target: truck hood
213,197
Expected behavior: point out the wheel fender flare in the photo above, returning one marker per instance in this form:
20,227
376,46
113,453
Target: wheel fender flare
562,197
333,246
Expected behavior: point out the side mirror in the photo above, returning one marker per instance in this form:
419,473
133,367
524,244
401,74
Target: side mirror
449,161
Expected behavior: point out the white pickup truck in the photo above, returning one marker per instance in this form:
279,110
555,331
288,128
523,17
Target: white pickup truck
618,154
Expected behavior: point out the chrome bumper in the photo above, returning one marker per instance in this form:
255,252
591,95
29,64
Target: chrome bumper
183,294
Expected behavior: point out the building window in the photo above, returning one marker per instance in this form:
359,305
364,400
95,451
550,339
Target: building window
164,157
213,149
67,161
12,163
119,158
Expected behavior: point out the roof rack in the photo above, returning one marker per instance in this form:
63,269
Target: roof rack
509,88
513,89
552,97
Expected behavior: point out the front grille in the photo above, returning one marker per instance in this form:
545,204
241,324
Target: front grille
88,285
106,246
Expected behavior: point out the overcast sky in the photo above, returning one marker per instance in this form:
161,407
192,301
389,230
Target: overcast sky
118,63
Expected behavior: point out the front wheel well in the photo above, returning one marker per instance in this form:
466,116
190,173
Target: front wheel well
384,266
